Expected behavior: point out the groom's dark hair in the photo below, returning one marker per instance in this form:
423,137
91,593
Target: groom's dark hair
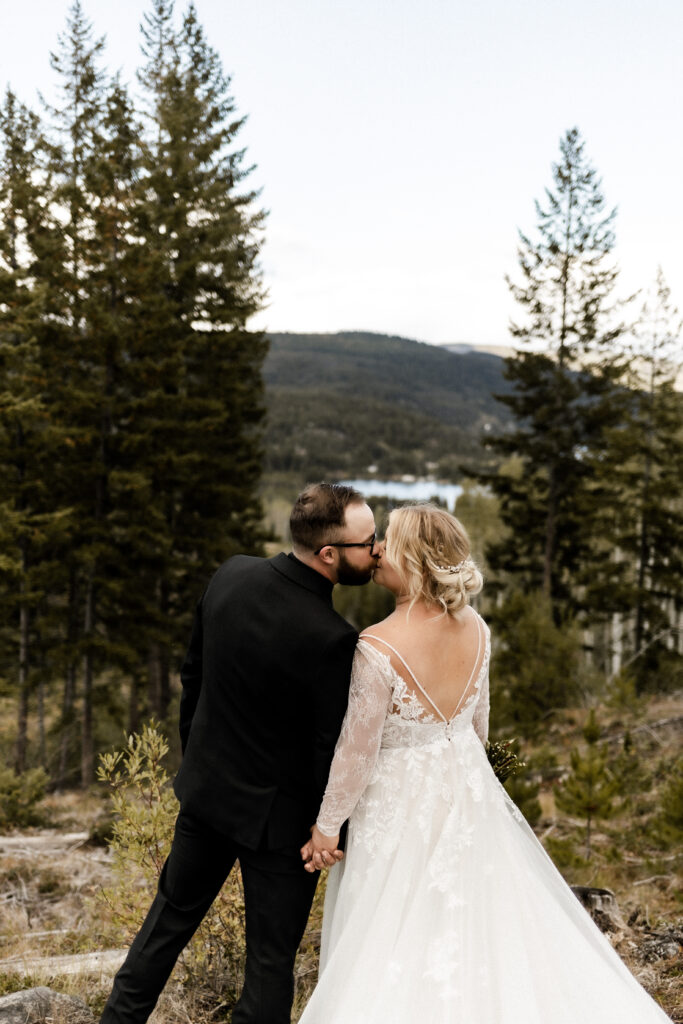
319,512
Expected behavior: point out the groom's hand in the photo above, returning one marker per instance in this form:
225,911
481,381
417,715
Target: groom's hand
320,851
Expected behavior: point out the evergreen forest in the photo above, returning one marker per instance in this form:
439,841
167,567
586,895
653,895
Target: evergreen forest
132,398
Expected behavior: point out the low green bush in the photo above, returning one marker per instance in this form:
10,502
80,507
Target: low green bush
19,797
144,812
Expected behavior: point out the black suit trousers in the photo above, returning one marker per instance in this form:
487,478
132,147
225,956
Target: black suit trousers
277,893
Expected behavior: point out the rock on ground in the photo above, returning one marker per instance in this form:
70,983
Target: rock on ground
36,1005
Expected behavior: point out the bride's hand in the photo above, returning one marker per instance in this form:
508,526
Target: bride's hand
320,851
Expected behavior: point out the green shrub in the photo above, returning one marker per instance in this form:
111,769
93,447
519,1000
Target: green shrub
14,981
669,822
630,768
622,694
19,795
145,810
537,666
590,789
564,855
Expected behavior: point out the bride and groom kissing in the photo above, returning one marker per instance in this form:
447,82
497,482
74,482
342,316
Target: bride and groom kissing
443,907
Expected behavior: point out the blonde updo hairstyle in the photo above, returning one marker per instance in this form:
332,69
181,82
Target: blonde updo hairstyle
430,550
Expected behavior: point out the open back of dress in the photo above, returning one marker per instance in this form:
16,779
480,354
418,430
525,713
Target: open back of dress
417,695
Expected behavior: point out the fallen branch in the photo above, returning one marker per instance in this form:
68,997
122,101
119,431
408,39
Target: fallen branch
107,962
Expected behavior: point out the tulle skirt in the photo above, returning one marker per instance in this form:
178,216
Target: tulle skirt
447,910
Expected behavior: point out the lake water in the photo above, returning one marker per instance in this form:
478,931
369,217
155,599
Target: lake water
408,490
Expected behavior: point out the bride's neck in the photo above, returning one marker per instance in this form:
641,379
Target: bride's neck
420,609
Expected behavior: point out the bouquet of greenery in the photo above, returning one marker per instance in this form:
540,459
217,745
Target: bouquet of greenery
503,759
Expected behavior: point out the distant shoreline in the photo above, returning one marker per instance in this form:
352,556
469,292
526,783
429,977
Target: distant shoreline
408,489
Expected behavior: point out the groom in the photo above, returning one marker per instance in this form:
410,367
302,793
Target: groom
265,687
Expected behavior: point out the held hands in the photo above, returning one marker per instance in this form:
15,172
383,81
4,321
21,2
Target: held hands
320,851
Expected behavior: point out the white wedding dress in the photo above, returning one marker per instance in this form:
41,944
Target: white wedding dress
446,908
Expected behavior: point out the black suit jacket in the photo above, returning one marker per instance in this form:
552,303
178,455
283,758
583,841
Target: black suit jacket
265,689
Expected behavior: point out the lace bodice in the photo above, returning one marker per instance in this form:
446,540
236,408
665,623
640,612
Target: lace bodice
385,711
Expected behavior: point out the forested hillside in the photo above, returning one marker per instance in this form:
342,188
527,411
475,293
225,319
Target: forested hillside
338,403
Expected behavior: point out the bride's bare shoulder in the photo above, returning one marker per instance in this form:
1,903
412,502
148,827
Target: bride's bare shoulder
381,630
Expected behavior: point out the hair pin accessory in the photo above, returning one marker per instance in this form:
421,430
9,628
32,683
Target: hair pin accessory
454,568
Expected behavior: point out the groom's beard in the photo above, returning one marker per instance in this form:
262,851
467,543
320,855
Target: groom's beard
351,575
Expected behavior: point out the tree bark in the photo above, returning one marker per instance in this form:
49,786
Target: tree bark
69,692
87,745
164,658
550,536
644,545
68,697
133,705
23,703
42,751
153,681
22,710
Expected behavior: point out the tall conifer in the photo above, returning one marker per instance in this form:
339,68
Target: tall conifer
639,483
28,434
128,273
563,385
204,403
83,364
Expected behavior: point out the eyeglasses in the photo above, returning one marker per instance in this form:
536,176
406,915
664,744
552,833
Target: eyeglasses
356,544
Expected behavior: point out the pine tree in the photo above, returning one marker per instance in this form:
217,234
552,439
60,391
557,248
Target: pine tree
638,481
30,523
658,504
19,402
537,665
591,787
204,403
562,397
128,273
79,366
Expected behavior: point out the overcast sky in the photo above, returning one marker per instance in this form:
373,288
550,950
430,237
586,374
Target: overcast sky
400,145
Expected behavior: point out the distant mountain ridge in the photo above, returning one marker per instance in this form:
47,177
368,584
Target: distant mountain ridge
338,403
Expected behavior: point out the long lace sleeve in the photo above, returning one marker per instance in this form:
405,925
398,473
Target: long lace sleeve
480,718
356,752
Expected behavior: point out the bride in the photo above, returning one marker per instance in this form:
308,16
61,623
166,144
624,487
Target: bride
445,907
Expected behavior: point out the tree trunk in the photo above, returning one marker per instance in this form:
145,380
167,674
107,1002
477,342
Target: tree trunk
69,692
164,657
87,746
616,644
550,536
42,752
66,731
22,709
134,705
644,546
158,662
153,681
